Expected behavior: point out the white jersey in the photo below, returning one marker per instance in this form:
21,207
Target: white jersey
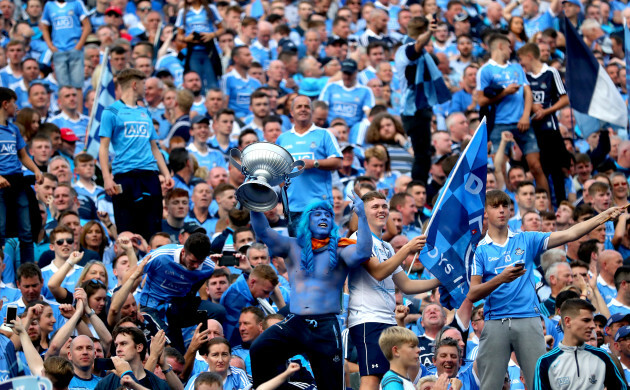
371,300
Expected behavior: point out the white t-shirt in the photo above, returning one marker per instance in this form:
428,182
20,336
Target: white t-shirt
371,300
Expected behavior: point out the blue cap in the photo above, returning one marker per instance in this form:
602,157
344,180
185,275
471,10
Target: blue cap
349,66
576,2
622,333
287,45
617,317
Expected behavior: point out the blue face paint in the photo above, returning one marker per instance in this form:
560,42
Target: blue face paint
320,223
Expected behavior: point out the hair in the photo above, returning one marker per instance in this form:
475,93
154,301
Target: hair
92,286
596,187
581,210
59,370
209,379
416,26
224,111
178,158
83,158
621,275
373,135
274,316
563,296
256,311
530,48
220,272
60,229
304,236
175,354
572,307
87,267
578,263
127,75
136,335
553,270
28,270
398,199
271,119
244,133
586,249
221,188
265,272
552,256
371,195
395,336
447,342
85,230
524,184
218,340
582,158
238,217
496,198
377,153
548,215
185,99
476,311
24,119
6,95
175,193
198,244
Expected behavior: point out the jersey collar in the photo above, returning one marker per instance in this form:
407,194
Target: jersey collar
313,127
489,240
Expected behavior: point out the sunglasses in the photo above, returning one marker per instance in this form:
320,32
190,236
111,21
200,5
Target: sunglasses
97,281
623,184
68,241
144,9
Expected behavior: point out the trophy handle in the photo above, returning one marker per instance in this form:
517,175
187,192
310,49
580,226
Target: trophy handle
234,152
299,164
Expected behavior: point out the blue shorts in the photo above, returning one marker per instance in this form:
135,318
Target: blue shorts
526,141
369,355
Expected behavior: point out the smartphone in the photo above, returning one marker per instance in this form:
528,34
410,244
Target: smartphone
119,188
101,364
202,316
519,265
11,315
196,36
228,259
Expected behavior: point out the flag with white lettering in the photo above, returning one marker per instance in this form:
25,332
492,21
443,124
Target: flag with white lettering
455,226
105,97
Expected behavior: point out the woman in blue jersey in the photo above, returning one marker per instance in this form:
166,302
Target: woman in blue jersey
385,129
218,358
198,24
516,28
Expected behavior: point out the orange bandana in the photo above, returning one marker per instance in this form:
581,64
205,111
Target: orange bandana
319,244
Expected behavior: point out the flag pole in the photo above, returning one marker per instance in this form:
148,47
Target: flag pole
99,86
450,178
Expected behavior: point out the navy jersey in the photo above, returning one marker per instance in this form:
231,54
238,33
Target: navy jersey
547,88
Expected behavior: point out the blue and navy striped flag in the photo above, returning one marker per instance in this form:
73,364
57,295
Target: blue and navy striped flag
456,224
590,89
106,96
626,50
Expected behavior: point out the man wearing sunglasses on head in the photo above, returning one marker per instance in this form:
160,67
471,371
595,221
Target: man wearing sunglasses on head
62,243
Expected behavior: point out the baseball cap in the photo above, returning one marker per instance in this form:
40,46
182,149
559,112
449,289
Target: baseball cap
600,318
192,227
349,66
461,17
617,317
243,248
576,2
334,40
200,119
287,45
622,333
68,135
114,10
344,145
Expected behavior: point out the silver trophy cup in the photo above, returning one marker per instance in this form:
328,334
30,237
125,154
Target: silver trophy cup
264,165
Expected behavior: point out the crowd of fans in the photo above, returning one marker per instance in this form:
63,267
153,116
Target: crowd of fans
129,262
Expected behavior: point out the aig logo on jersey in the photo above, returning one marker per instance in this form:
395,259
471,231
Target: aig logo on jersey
136,129
7,148
63,22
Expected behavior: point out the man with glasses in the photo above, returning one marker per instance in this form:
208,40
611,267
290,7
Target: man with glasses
62,243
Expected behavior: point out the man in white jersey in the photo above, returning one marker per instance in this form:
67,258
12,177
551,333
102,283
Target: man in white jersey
372,301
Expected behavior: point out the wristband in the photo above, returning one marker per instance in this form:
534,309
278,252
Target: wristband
91,313
109,225
128,372
169,369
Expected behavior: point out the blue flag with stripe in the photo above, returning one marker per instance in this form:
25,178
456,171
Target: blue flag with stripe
626,50
456,223
105,98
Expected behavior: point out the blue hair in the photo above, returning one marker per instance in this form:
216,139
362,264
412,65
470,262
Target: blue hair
304,236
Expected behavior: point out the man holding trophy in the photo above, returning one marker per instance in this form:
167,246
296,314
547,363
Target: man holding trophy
317,258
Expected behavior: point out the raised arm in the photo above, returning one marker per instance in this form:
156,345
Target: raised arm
381,270
354,255
54,284
280,244
65,331
120,296
33,359
580,229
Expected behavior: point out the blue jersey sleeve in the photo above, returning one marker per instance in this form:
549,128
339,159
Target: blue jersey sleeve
331,146
479,262
537,241
179,22
46,15
80,10
325,94
108,123
369,100
484,78
19,141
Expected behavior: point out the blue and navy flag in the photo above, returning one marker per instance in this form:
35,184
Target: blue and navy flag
105,97
434,86
590,89
455,226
